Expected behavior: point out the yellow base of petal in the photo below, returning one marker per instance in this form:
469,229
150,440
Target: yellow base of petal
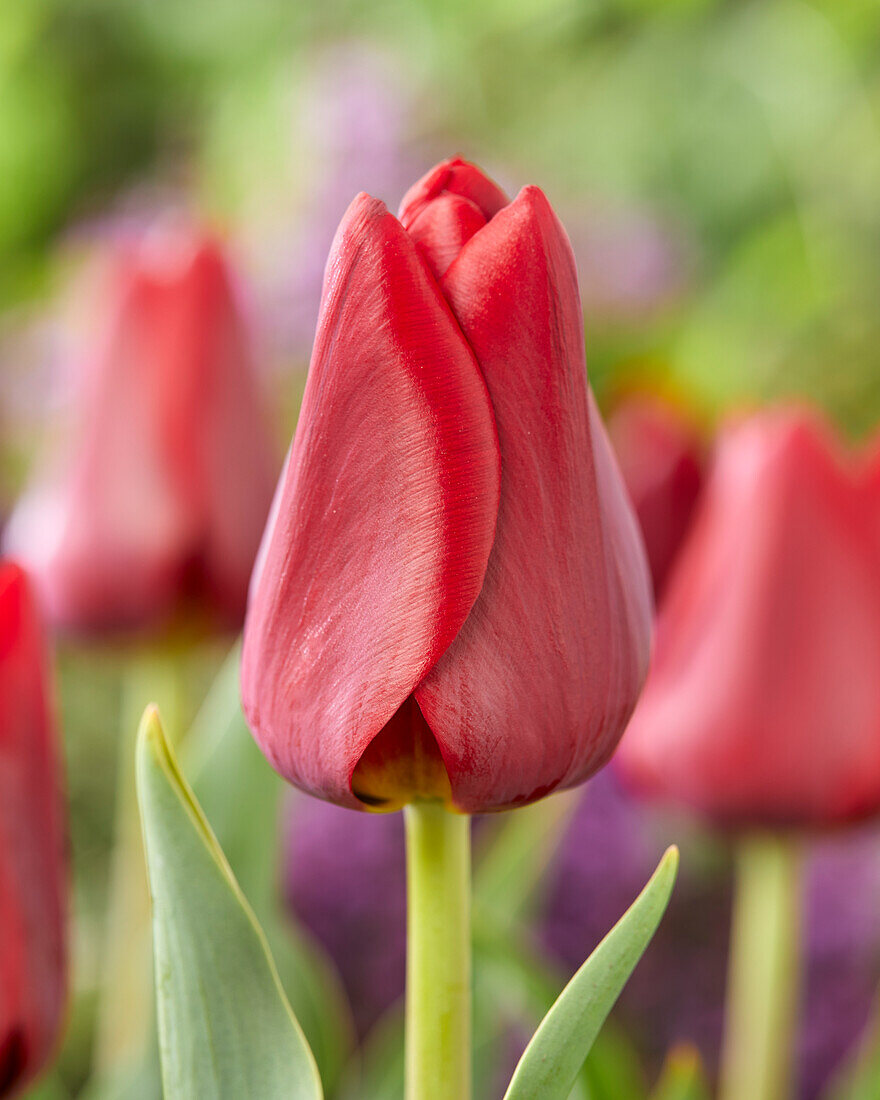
402,764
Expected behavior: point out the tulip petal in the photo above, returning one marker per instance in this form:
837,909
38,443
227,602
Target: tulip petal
661,461
378,542
32,862
455,177
763,703
104,533
537,687
443,227
221,432
158,497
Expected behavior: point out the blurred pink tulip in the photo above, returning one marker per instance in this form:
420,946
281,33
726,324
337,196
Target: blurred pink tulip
161,490
661,459
762,706
33,874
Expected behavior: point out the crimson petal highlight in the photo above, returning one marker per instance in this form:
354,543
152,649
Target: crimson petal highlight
454,177
385,518
537,688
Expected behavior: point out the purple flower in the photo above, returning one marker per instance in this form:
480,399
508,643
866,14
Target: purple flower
607,855
344,878
677,991
843,950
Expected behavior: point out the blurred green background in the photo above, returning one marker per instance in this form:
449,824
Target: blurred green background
717,163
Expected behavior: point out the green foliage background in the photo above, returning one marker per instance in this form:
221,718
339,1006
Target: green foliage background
751,127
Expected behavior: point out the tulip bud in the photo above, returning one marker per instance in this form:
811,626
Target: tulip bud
451,599
762,706
661,461
33,956
158,497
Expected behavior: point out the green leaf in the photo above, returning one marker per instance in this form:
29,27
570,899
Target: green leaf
521,988
683,1077
226,1029
552,1061
235,785
241,797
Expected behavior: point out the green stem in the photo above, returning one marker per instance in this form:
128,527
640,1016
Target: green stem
438,967
764,971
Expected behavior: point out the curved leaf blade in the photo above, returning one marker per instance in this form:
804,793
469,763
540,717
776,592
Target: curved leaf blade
241,796
550,1065
225,1026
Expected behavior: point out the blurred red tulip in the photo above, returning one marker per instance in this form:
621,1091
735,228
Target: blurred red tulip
762,706
33,956
451,599
162,492
661,460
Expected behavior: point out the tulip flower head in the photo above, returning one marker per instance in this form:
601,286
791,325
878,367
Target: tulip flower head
662,465
33,957
762,706
159,495
451,600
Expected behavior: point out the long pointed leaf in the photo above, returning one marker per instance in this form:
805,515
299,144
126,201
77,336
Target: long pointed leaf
550,1065
227,772
226,1029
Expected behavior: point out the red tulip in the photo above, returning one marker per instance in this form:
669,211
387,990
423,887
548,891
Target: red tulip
33,957
763,701
451,599
661,461
162,492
